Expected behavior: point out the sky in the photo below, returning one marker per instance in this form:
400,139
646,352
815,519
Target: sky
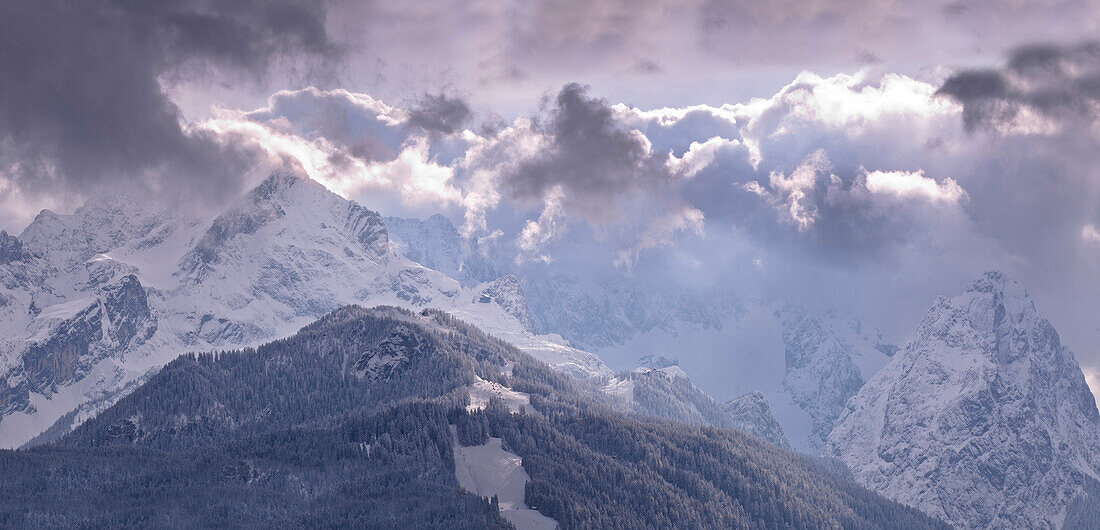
864,155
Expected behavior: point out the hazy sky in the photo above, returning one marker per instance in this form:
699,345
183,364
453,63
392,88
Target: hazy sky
865,155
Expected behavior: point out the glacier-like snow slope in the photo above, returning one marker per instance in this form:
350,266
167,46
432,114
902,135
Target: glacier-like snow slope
984,419
91,302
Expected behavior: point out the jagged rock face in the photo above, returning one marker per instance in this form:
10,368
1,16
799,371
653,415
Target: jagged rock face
435,243
507,293
821,355
11,249
390,354
752,414
117,320
984,419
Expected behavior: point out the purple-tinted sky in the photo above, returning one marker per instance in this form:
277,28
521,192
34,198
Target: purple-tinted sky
867,155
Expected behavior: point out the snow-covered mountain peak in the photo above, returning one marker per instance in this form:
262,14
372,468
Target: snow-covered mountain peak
99,225
99,298
995,297
292,209
983,419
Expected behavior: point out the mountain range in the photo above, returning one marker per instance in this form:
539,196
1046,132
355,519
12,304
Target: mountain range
93,302
131,339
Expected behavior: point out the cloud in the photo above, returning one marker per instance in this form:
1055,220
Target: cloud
790,194
83,101
1090,234
536,234
589,157
367,128
579,162
661,233
914,185
357,145
1041,88
439,113
1093,380
850,31
865,213
697,157
488,161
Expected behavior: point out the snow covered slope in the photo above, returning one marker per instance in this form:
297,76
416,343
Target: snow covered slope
984,419
91,302
490,471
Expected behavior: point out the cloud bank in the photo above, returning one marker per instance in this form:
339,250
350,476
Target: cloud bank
83,99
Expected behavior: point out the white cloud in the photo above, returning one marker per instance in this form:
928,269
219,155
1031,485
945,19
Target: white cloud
661,232
418,179
537,233
1090,234
844,105
698,156
914,185
790,193
486,162
310,128
1093,380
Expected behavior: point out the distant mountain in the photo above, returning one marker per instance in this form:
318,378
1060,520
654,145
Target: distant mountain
91,303
806,363
662,390
827,360
984,419
388,418
436,244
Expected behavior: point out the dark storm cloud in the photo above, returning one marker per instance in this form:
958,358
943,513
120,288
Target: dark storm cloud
82,97
591,156
440,113
1056,82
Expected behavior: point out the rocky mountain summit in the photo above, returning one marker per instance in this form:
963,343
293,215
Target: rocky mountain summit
984,419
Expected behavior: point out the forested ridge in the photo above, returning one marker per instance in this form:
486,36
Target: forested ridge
347,423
